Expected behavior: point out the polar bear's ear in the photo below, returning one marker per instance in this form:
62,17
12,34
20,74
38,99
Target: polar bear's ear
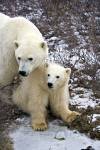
16,44
68,70
43,45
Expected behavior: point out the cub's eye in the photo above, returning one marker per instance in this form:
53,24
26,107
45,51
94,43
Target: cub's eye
30,59
19,58
57,77
48,75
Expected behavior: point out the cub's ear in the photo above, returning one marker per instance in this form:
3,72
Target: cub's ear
44,45
16,43
68,70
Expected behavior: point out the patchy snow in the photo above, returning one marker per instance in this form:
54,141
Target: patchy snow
25,138
95,116
82,102
80,38
97,128
98,74
60,135
82,98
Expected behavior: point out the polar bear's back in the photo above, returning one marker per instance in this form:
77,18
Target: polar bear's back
25,26
3,19
19,22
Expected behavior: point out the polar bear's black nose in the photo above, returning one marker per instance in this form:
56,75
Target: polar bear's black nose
50,85
23,73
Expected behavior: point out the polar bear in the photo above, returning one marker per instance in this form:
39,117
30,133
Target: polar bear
46,85
58,89
22,48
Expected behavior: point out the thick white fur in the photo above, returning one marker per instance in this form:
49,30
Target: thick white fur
28,38
33,95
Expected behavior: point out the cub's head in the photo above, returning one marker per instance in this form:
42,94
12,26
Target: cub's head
30,55
57,76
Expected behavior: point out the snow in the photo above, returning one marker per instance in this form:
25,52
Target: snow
24,138
95,116
84,99
98,128
83,102
80,38
60,135
98,74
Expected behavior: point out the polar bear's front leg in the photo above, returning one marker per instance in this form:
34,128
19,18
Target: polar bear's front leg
67,115
39,123
60,108
38,113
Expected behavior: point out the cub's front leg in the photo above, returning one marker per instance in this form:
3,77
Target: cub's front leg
67,115
62,111
60,108
37,107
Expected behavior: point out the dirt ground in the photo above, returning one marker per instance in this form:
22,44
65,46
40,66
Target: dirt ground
8,114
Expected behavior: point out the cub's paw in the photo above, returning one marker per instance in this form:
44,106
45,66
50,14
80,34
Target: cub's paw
72,116
39,126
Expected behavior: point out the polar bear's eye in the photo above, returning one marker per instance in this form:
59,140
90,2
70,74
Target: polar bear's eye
19,58
48,75
57,77
30,59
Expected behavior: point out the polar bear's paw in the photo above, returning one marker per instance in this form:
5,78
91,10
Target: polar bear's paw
39,126
72,116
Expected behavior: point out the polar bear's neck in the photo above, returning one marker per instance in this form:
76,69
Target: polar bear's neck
38,72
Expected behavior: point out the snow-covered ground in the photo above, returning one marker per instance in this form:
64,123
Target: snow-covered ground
57,137
84,99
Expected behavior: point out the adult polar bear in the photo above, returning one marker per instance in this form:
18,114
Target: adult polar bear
22,48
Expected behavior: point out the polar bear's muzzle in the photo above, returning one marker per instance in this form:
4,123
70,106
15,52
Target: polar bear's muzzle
23,73
24,68
50,85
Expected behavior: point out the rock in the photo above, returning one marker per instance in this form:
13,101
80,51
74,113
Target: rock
89,148
60,135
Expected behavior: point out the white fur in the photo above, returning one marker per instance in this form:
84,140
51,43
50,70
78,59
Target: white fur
33,95
28,38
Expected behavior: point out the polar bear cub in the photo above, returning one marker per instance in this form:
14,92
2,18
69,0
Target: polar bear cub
48,84
58,89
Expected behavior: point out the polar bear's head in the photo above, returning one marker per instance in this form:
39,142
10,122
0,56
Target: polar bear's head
57,76
30,55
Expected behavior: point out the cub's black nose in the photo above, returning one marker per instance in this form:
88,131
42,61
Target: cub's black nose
23,73
50,85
